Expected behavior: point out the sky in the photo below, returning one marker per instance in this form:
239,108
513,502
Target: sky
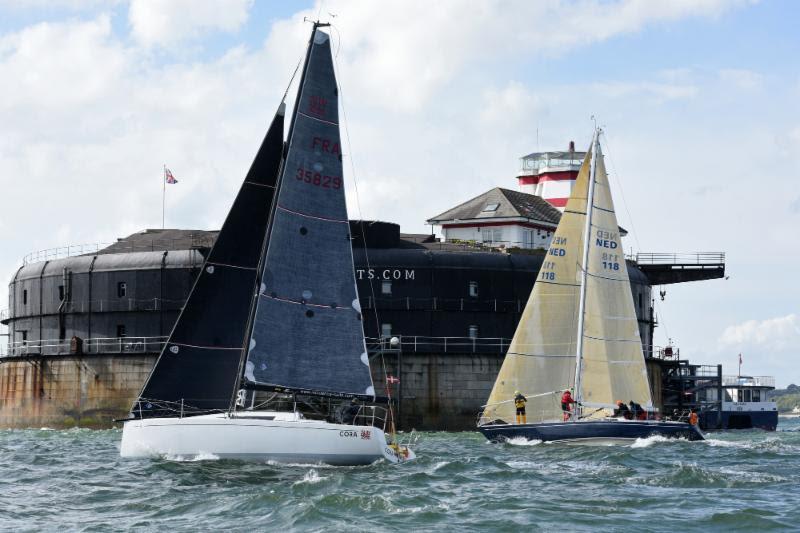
698,100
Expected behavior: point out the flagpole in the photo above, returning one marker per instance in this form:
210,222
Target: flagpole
163,194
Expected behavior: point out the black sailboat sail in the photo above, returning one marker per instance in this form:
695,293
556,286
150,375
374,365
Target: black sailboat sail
199,365
307,333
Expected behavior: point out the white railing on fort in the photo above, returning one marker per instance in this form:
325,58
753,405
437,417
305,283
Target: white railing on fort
685,258
109,345
140,245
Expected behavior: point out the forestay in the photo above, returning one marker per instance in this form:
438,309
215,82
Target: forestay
307,332
613,362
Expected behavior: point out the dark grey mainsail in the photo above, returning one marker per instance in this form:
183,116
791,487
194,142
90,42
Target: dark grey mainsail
307,334
199,365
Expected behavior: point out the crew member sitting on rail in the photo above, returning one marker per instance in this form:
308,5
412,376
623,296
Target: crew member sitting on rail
693,418
637,411
519,403
566,404
623,411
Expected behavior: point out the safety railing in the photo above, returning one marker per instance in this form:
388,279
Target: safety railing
98,306
97,345
193,240
412,344
688,258
748,381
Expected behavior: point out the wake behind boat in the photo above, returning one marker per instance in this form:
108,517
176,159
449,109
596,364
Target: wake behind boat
578,331
268,359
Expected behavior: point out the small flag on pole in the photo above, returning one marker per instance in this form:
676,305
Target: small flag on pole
169,177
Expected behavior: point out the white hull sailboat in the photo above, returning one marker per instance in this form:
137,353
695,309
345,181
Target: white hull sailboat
578,331
262,436
274,318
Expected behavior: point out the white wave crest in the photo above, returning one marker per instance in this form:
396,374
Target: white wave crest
649,441
311,477
201,456
522,441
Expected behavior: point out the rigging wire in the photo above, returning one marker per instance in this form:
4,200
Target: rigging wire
360,216
618,177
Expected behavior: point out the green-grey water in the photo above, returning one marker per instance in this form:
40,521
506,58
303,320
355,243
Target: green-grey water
742,480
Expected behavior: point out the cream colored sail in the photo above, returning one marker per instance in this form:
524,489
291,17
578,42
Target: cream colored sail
540,362
613,363
541,359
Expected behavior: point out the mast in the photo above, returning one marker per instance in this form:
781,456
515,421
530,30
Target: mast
584,274
254,299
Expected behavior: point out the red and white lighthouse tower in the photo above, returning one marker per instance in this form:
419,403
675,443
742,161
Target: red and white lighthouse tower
550,175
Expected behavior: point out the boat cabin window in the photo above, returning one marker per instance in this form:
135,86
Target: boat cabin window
744,395
756,395
122,289
473,289
473,332
386,287
121,330
386,330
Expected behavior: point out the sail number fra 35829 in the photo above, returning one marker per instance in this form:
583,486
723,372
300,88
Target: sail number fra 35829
320,180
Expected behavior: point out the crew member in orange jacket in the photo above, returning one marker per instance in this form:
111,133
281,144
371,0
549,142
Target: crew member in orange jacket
566,404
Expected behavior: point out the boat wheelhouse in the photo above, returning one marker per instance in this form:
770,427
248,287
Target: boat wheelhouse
745,404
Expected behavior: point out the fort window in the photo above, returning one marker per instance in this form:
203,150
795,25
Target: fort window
386,287
62,331
61,293
122,289
24,334
473,332
641,305
121,330
25,297
473,289
386,330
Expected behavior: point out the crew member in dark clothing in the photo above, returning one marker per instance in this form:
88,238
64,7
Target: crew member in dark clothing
566,404
637,411
519,403
622,410
347,412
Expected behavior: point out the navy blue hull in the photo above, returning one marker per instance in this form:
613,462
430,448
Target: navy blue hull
591,430
766,420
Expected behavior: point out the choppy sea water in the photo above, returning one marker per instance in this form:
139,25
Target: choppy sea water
742,480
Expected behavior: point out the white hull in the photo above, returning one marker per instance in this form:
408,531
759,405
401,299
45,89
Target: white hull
258,435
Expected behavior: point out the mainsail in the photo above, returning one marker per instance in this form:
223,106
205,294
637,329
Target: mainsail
198,366
307,332
541,360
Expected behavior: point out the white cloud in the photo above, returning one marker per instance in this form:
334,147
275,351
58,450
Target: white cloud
773,334
768,347
167,23
746,80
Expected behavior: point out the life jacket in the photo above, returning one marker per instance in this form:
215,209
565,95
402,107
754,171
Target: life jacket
519,401
567,398
693,419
